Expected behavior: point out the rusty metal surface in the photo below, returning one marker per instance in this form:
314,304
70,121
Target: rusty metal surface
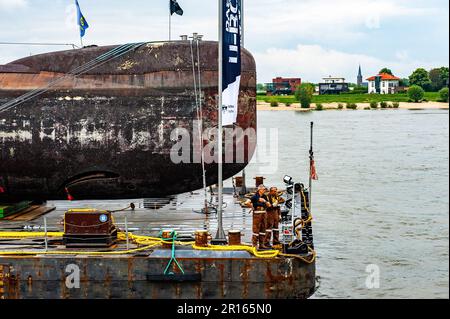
16,68
225,274
114,121
87,223
126,277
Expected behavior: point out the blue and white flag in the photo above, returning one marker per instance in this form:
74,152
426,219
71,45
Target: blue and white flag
81,20
231,46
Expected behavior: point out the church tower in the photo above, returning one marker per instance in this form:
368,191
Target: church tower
359,80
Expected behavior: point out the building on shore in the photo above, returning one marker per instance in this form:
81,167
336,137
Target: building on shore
333,85
383,83
359,78
283,86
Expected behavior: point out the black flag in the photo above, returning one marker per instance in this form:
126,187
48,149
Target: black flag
175,8
231,44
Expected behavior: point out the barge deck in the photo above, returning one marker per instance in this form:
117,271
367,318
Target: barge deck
29,270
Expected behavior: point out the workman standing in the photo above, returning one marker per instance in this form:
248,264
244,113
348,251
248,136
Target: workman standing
273,217
259,202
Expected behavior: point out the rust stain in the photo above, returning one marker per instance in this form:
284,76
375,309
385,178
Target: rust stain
268,287
2,282
221,268
198,287
244,276
13,287
64,290
37,265
130,269
30,284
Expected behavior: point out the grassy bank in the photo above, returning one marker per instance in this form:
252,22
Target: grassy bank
351,98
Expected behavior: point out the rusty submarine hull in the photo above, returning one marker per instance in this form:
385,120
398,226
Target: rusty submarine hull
106,134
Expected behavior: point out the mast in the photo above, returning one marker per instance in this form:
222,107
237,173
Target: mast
244,183
170,21
220,236
311,158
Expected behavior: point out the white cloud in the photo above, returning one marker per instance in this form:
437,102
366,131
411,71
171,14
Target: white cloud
326,19
340,31
12,4
312,62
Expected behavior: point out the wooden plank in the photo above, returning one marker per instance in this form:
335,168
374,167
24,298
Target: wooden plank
20,213
35,213
8,209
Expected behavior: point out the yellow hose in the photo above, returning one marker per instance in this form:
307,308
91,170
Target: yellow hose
92,253
146,242
308,261
252,250
21,235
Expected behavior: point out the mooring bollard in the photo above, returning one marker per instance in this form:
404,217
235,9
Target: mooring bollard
201,238
234,237
167,236
259,180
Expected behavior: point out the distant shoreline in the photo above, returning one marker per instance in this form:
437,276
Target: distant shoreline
263,106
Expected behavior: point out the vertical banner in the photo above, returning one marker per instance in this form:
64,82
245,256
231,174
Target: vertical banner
231,48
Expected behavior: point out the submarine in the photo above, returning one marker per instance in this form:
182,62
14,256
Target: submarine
107,132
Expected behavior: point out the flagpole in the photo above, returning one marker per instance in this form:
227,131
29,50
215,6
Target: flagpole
242,23
81,40
220,236
311,155
170,21
244,183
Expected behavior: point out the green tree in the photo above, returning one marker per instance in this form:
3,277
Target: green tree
444,74
443,93
439,78
404,82
421,78
386,70
416,93
260,87
360,90
304,94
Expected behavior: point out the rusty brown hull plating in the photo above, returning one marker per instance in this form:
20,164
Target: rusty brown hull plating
106,134
230,276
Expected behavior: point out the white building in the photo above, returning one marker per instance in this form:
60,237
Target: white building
333,85
383,83
331,79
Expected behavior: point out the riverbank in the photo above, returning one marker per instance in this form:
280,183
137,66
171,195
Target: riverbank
351,98
263,106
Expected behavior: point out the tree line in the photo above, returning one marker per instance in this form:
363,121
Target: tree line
431,81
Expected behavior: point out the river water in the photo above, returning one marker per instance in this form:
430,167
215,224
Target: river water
381,201
380,206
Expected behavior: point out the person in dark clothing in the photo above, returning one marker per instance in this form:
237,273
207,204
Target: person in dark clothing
259,202
273,217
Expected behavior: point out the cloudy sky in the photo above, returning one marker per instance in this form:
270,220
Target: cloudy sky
304,38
